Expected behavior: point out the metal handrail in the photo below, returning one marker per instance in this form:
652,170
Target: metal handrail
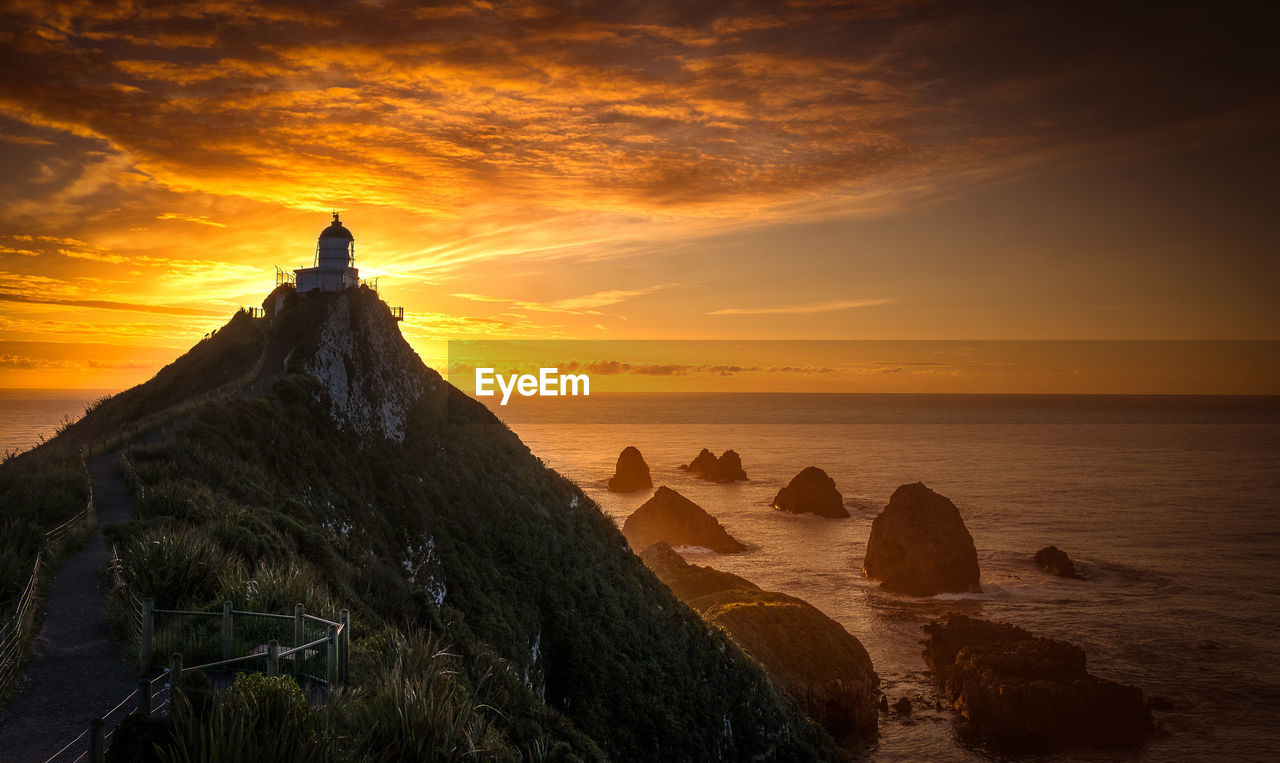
303,648
232,661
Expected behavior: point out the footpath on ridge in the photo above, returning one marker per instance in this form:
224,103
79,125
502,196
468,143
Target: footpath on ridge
76,671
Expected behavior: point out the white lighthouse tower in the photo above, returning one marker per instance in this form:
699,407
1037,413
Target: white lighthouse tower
335,257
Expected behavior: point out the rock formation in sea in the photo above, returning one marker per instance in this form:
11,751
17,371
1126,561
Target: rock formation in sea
1055,561
726,468
631,472
919,546
671,518
813,658
811,492
1024,691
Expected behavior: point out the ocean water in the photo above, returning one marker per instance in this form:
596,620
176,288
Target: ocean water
27,415
1170,507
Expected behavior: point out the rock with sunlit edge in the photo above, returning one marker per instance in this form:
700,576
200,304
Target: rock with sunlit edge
726,468
631,472
811,491
919,546
671,518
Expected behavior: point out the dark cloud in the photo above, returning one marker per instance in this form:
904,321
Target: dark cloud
615,104
102,304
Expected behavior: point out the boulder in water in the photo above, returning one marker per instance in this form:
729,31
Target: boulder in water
631,473
671,518
814,659
811,492
1025,691
726,468
919,546
1055,561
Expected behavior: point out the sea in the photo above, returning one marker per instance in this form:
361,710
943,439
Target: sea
30,416
1170,507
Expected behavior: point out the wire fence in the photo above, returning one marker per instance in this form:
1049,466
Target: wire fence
15,632
152,697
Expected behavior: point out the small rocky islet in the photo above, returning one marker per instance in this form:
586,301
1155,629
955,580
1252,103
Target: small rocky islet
1055,561
726,468
1017,690
811,491
631,472
671,518
919,546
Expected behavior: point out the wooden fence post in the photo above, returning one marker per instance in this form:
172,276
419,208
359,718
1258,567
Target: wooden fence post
175,673
97,741
273,658
331,661
148,605
144,697
226,630
298,657
344,658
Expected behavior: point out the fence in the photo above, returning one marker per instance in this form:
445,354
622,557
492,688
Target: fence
16,631
92,743
312,649
318,665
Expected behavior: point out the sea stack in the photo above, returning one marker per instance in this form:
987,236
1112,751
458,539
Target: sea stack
815,660
1055,561
919,546
1030,692
727,468
631,472
811,492
671,518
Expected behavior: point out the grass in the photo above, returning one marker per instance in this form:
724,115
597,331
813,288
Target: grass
561,644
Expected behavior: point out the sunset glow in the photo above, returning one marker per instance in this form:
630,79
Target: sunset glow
513,170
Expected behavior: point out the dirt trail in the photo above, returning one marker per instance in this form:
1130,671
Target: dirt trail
76,670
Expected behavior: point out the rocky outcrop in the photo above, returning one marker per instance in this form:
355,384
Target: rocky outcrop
631,472
1030,692
726,468
1055,561
359,360
813,658
690,581
671,518
919,546
811,492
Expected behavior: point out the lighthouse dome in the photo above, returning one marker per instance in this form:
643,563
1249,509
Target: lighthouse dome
336,230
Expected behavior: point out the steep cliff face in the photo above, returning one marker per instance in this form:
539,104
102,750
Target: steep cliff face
370,374
350,473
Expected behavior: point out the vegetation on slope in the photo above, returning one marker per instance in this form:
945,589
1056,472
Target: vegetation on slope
565,646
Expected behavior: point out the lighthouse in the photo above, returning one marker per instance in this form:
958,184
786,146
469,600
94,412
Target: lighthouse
334,263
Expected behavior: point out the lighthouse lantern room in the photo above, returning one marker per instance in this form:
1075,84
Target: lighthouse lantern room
335,257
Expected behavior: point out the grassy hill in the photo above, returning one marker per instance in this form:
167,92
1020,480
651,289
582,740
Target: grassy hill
497,610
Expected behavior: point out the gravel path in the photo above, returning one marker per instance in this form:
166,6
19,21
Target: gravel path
76,670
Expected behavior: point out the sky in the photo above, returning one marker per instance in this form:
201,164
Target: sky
894,170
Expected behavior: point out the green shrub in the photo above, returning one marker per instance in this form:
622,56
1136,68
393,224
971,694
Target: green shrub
271,588
259,718
179,569
414,705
